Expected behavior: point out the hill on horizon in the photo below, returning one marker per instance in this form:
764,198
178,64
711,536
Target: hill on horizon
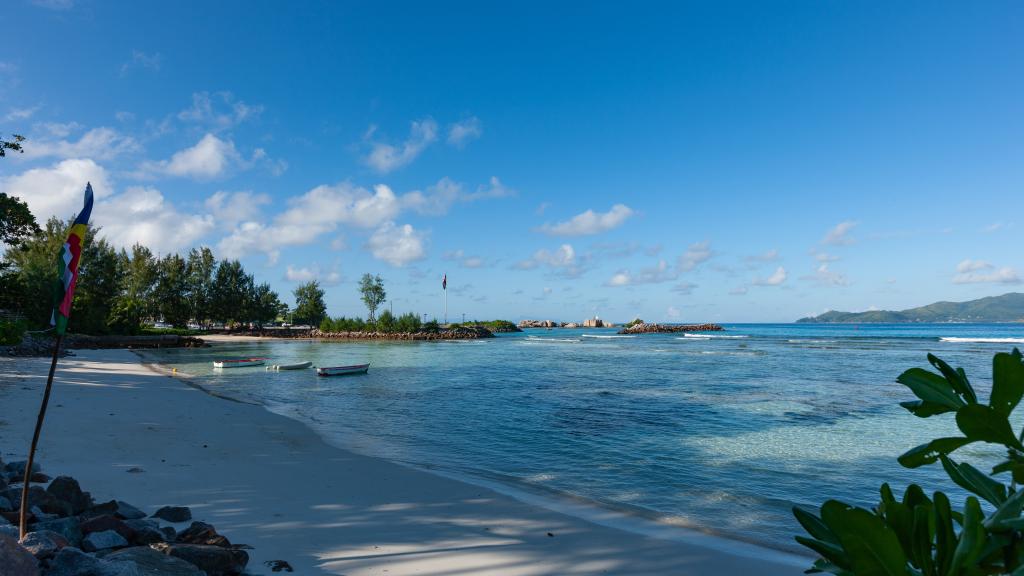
1006,308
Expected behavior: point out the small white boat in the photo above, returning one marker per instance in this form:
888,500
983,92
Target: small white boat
296,366
342,370
239,362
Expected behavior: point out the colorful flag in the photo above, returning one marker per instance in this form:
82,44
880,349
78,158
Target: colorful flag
444,282
67,266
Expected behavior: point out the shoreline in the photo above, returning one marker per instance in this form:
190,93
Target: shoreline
361,513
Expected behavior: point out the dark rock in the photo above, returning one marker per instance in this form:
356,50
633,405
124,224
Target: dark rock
153,563
41,516
4,521
16,470
213,560
73,562
107,522
5,505
116,508
103,540
147,532
39,477
43,543
15,560
174,514
202,533
10,530
66,527
645,328
279,566
38,496
169,533
66,488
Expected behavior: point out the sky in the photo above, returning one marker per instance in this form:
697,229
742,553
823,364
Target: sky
673,161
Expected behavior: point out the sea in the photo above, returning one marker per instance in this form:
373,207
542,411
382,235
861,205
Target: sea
718,432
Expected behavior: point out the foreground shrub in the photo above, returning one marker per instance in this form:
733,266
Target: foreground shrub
11,332
918,535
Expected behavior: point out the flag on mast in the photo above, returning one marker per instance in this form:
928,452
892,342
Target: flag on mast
67,266
444,282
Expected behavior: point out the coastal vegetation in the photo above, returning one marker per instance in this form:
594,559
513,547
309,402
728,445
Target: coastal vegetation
371,290
927,536
1006,308
309,304
492,325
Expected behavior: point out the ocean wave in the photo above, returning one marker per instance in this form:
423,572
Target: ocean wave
606,336
541,339
982,340
707,336
811,341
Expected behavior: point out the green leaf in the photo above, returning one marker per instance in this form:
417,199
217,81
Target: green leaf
972,537
956,378
833,553
923,409
1007,383
814,526
976,481
945,538
930,452
871,547
1009,510
982,423
930,387
921,539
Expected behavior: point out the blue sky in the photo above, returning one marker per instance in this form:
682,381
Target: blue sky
700,161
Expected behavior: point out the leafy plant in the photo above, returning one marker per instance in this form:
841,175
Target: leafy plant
918,535
11,332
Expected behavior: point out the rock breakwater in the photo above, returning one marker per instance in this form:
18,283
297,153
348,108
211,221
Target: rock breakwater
650,328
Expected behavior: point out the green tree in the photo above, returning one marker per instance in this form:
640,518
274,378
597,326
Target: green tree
13,145
200,269
17,224
170,293
134,304
386,321
309,304
371,289
266,305
99,280
230,293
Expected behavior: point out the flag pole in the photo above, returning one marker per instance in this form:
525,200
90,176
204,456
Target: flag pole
35,439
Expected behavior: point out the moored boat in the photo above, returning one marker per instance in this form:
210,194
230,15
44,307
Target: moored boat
295,366
239,362
342,370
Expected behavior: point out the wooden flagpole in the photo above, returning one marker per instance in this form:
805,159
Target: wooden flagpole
35,439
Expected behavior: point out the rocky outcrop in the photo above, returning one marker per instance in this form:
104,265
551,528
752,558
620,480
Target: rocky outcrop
645,328
70,535
456,333
539,324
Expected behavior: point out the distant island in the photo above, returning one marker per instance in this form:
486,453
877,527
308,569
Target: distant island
1005,308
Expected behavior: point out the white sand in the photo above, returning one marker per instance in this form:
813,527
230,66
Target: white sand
265,480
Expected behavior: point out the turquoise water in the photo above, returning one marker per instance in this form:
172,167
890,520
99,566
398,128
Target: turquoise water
723,432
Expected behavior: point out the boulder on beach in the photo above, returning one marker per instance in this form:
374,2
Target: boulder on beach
214,560
645,328
15,559
67,489
66,527
153,563
103,541
174,514
44,543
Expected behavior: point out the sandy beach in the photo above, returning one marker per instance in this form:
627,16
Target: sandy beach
270,482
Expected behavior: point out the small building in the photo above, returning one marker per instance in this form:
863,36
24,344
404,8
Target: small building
594,322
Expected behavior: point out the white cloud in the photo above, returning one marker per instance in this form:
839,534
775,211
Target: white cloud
140,59
142,215
654,275
397,245
673,313
463,131
839,235
824,256
307,274
465,260
219,111
21,113
98,144
684,288
234,207
694,256
824,275
209,158
590,222
561,260
494,189
981,272
325,206
58,190
386,157
775,279
995,227
769,256
440,197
